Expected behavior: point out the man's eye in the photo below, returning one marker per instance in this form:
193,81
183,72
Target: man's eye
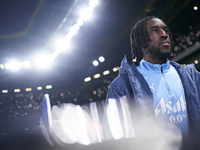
154,31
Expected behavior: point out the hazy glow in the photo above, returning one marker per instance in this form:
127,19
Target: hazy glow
87,79
73,30
115,69
70,123
43,61
79,22
15,65
26,64
195,7
4,91
28,89
39,88
101,59
196,61
49,87
95,63
97,76
106,72
2,66
16,90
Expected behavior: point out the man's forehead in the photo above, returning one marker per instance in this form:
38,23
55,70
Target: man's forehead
155,22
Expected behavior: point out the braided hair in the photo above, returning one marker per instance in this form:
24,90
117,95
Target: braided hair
139,38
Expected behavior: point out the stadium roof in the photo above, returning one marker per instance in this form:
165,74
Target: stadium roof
29,28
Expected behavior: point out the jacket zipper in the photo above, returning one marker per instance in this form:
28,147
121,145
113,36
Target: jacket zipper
161,69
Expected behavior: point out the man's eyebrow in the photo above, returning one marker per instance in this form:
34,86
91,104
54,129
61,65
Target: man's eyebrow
157,27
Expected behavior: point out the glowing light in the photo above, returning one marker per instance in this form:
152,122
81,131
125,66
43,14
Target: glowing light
195,7
49,87
15,65
115,69
95,63
17,90
7,66
4,91
73,30
101,59
79,22
43,61
39,88
106,72
87,79
97,76
2,66
196,61
28,89
26,64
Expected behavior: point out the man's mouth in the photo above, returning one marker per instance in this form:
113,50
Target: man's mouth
165,43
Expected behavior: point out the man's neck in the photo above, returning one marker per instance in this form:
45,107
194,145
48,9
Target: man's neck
155,60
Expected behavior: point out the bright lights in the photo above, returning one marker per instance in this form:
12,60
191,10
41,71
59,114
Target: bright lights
95,63
97,76
106,72
26,64
2,66
101,59
39,88
196,61
43,61
28,89
17,90
87,79
115,69
195,7
49,87
4,91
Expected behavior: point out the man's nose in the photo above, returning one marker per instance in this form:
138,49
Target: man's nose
163,33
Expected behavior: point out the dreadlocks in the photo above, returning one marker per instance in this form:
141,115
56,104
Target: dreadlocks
139,38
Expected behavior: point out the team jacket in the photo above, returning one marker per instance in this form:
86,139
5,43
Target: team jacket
130,86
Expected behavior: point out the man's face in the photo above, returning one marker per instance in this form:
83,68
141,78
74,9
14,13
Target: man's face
160,44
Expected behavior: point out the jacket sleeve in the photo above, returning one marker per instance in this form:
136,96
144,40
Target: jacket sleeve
198,81
117,115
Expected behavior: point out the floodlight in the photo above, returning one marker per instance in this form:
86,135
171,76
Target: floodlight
101,59
26,64
16,90
2,66
4,91
87,79
39,88
106,72
43,61
95,63
14,65
97,76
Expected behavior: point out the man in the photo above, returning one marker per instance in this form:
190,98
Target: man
153,88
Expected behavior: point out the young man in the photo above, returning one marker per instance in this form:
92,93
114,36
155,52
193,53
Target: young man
153,86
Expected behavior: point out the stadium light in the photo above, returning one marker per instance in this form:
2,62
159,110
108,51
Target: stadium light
43,61
97,76
49,87
28,89
101,59
95,63
26,64
39,88
17,90
106,72
2,66
4,91
87,79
